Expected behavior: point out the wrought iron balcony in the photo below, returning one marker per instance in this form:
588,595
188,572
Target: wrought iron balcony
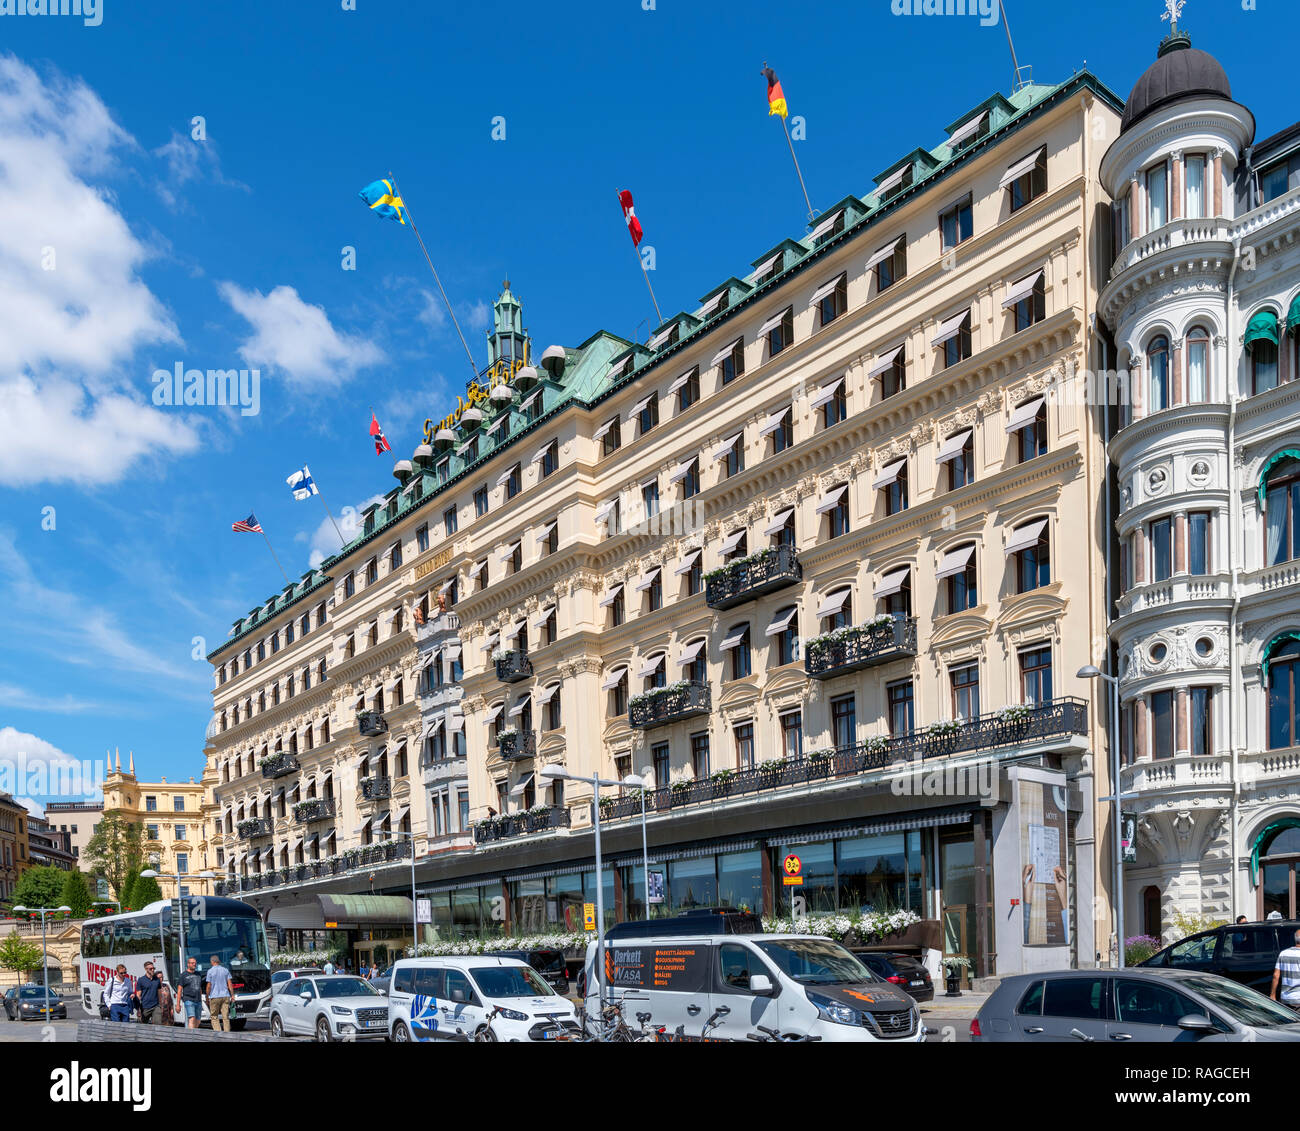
749,579
371,723
280,765
520,744
254,827
315,809
853,649
1011,728
513,666
374,789
665,705
541,819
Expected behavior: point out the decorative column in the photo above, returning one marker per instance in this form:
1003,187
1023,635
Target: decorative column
1182,723
1180,543
1136,392
1139,555
1178,393
1176,186
1218,182
1284,349
1140,751
1137,209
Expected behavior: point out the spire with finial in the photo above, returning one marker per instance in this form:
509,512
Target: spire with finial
1177,39
117,759
131,766
1173,9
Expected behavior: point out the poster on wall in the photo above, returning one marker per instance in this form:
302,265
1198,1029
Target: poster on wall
655,888
1045,902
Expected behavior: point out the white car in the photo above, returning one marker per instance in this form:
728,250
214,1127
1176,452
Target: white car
474,998
330,1007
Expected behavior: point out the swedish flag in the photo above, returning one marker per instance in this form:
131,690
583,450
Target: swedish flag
379,196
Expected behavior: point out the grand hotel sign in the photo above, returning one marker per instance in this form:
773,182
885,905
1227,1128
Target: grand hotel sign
501,373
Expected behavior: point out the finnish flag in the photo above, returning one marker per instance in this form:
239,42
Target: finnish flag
301,483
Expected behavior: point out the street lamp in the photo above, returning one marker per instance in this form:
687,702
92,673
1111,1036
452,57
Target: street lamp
1091,671
553,773
153,874
415,914
634,782
45,954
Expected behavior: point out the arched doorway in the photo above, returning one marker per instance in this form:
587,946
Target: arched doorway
1278,854
1151,921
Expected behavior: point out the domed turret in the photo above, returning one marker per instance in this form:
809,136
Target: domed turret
1180,72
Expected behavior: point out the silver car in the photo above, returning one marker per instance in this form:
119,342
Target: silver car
329,1007
1130,1005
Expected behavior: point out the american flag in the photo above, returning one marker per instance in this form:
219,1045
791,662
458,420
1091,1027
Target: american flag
247,526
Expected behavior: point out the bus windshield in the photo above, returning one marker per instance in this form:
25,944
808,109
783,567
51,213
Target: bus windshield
238,942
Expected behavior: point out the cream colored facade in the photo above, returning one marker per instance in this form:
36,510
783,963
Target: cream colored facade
176,835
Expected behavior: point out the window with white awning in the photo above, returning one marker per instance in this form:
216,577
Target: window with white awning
825,226
723,450
885,361
1020,168
493,714
647,580
521,787
892,583
681,381
764,267
662,336
506,476
636,408
952,447
539,455
491,641
712,305
545,532
827,393
774,321
775,421
955,561
519,708
509,551
614,678
546,694
650,667
892,181
950,328
611,595
539,621
966,130
827,288
1025,536
881,254
731,541
725,352
688,560
781,621
683,469
689,653
888,474
778,522
605,509
599,433
833,603
1018,291
1025,414
735,640
831,500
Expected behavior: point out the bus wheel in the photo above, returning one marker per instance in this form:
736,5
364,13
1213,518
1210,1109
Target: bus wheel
323,1030
237,1026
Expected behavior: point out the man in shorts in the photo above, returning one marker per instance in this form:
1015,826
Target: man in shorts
189,992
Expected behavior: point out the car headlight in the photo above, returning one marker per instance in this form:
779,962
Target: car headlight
340,1011
513,1015
829,1010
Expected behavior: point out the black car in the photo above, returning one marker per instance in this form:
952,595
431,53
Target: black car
1243,952
27,1003
548,963
901,970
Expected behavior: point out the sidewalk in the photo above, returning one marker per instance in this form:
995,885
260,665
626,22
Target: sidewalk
943,1006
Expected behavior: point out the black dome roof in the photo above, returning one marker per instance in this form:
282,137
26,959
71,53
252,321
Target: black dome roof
1181,71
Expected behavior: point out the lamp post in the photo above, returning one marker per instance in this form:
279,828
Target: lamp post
555,773
45,954
415,914
634,782
154,874
1091,671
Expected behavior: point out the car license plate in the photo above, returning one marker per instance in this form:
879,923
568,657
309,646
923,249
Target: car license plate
550,1034
918,982
375,1024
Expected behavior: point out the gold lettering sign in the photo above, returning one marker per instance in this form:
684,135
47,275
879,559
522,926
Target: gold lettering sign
502,373
440,559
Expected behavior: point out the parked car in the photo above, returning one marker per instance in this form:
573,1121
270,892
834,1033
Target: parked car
380,981
548,963
330,1007
281,978
1134,1004
901,970
1244,952
465,998
27,1003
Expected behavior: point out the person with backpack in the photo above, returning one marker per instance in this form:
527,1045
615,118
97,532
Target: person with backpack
118,994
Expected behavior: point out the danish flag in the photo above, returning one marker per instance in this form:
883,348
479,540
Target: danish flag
629,214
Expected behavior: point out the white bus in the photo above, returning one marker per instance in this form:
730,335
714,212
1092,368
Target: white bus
228,928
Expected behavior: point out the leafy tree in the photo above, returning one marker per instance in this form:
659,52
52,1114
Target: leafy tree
126,894
145,891
19,956
76,894
116,851
40,886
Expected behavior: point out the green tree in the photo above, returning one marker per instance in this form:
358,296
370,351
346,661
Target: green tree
18,955
126,894
76,894
39,886
115,851
145,891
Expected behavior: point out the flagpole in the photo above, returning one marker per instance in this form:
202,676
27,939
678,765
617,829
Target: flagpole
437,280
342,541
636,251
797,170
274,555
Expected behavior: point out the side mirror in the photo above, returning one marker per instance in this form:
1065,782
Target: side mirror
760,985
1196,1023
458,996
305,996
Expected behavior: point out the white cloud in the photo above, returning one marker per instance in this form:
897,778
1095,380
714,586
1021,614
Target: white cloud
34,807
187,161
478,316
24,700
75,308
296,338
32,767
432,313
325,539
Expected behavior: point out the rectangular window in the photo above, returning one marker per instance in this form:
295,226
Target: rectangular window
961,467
957,347
1162,559
835,409
1198,543
151,804
1036,676
783,434
734,463
733,365
744,736
894,379
1162,724
1201,708
792,735
1194,179
551,459
612,440
700,755
689,392
514,483
1157,198
650,498
901,719
831,306
782,334
844,722
648,417
1029,185
1032,308
480,502
422,536
955,224
661,759
892,268
965,691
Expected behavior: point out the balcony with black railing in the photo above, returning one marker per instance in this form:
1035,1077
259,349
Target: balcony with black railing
364,857
513,666
543,818
852,649
254,827
663,705
371,723
752,577
315,809
1013,728
280,765
374,788
515,745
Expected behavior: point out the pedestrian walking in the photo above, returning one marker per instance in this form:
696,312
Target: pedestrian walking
117,995
1286,974
149,996
189,991
328,968
216,983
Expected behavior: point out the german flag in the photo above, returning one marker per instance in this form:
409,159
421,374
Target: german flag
775,95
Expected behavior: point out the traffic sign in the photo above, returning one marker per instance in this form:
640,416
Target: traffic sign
588,916
793,870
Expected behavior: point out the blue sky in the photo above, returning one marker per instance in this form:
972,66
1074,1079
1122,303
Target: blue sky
227,252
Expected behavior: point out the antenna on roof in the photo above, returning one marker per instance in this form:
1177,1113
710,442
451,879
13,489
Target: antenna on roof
1021,76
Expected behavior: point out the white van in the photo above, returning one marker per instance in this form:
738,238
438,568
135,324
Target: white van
803,984
453,998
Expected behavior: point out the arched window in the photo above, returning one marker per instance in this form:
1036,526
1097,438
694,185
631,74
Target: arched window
1158,374
785,630
1198,365
1282,684
737,643
1029,546
1274,861
957,572
551,701
695,661
836,611
655,671
1280,494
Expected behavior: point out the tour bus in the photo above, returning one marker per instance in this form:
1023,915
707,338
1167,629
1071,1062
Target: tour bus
228,928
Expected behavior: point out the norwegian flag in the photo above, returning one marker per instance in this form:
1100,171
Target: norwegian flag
377,433
629,214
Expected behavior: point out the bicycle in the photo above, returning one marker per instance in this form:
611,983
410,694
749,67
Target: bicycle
771,1036
658,1034
483,1034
